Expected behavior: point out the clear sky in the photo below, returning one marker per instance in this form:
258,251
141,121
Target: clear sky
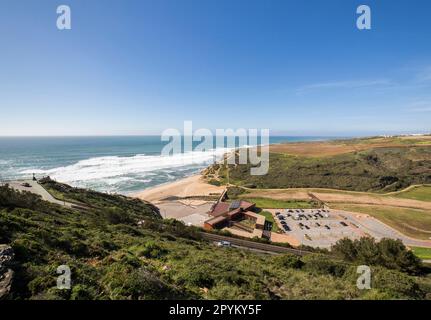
135,67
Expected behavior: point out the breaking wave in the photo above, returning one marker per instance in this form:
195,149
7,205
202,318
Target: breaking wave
114,173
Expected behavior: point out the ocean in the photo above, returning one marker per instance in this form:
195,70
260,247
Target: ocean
120,164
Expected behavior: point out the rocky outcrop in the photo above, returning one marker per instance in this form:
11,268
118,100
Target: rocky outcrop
6,274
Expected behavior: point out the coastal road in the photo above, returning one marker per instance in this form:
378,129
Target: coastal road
36,188
253,245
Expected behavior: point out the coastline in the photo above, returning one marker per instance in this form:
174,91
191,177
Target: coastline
186,187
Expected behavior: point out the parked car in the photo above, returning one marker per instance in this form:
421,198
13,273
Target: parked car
286,228
327,227
224,244
343,223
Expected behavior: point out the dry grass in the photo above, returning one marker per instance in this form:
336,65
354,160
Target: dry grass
339,196
332,148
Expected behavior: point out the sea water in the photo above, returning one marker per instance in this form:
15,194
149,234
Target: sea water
121,164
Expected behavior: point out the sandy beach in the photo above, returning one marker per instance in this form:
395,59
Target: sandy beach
190,186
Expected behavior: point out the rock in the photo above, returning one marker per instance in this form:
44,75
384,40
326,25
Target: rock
6,274
6,279
6,255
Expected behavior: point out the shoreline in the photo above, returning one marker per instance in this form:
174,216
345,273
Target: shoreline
186,187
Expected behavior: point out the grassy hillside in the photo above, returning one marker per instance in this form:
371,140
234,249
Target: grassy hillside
376,169
111,257
421,193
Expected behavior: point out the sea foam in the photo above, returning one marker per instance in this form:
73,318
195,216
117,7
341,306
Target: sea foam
108,173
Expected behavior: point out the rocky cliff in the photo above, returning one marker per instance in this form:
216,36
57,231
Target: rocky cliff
6,273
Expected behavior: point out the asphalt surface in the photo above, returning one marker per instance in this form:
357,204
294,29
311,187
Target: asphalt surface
253,245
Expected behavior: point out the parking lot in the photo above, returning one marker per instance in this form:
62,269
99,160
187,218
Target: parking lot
317,227
323,228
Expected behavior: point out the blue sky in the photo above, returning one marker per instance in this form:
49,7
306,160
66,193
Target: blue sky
137,67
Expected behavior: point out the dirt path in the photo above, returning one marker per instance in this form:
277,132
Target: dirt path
342,197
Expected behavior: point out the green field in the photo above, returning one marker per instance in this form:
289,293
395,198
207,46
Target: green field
411,222
267,203
421,193
423,253
269,217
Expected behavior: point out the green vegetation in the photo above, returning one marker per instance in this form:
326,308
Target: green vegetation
269,217
411,222
422,253
377,170
421,193
388,253
267,203
214,182
234,192
120,248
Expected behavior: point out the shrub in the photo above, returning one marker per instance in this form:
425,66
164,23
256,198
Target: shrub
201,279
289,261
152,250
82,292
395,283
321,264
214,182
234,192
389,253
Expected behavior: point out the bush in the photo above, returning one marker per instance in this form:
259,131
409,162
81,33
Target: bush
321,264
115,216
289,261
214,182
234,192
82,292
201,279
151,250
395,283
389,253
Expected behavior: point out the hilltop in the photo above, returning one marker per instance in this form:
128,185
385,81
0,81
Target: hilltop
375,164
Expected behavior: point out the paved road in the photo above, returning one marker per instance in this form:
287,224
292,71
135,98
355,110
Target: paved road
253,245
380,230
36,188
